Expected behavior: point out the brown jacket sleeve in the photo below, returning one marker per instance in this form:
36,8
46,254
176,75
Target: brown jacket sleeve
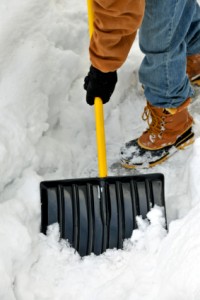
115,26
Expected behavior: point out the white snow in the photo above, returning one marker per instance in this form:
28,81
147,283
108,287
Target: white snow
47,132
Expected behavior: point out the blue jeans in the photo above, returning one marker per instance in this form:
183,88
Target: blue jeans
170,31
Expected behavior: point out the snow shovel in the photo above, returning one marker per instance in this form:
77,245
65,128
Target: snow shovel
95,214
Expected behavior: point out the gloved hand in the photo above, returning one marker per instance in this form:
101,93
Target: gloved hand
99,84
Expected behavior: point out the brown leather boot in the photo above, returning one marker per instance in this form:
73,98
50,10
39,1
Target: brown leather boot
193,68
169,129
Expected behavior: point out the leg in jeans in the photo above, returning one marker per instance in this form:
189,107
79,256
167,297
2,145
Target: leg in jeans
170,30
193,35
193,51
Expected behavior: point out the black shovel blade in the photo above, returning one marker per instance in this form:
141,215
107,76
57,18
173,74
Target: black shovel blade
95,214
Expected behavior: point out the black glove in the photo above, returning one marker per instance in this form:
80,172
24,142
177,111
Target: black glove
99,84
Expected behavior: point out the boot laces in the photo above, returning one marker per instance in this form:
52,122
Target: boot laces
155,122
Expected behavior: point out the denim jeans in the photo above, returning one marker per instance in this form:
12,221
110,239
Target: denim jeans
170,31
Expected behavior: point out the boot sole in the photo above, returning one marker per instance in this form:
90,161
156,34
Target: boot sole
179,145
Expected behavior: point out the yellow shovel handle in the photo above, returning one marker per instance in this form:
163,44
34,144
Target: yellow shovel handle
100,136
90,16
99,115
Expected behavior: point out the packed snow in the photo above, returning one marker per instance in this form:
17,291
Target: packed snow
48,132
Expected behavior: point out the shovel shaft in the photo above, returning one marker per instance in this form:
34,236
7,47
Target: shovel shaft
90,16
100,137
99,115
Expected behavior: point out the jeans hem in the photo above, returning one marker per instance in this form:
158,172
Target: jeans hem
169,102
